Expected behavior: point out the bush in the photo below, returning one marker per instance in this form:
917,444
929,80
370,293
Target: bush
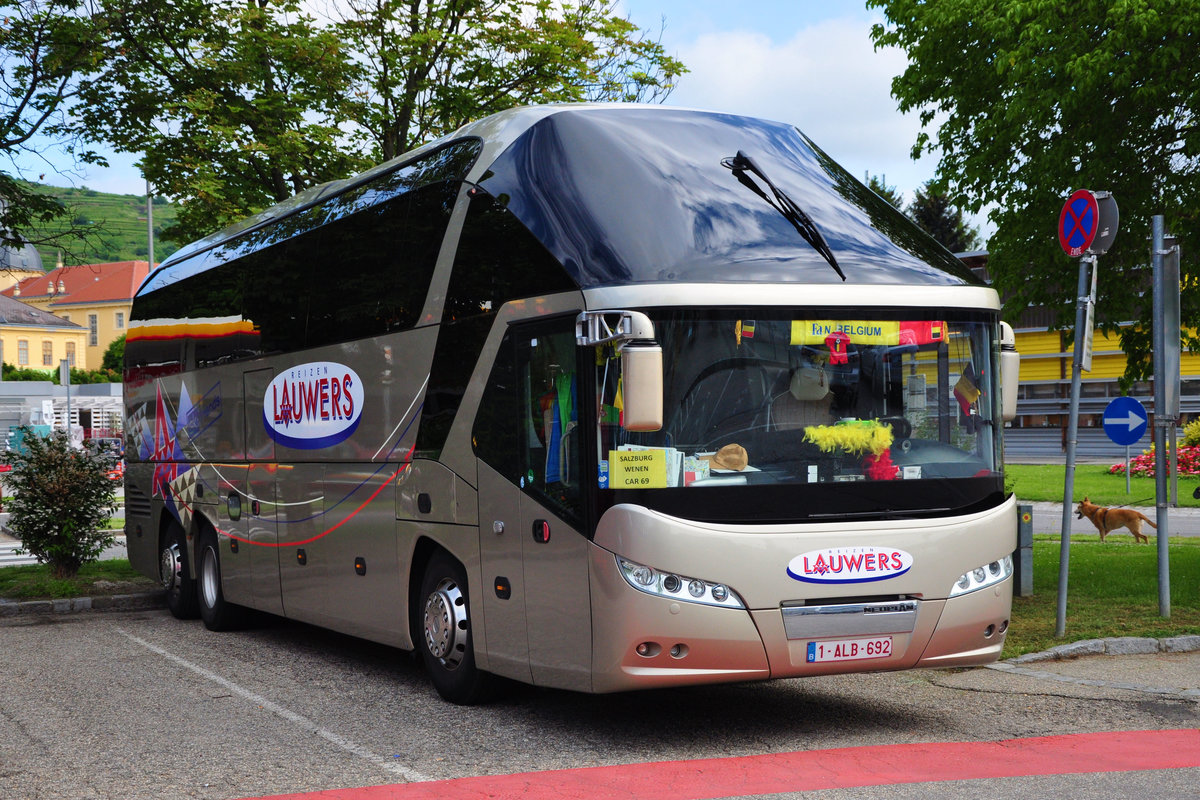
1191,433
61,500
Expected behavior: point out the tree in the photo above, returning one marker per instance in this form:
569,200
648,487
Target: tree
61,499
931,209
238,104
234,105
44,46
426,67
1032,100
114,355
878,185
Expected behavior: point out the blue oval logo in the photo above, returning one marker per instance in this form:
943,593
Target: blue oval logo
313,406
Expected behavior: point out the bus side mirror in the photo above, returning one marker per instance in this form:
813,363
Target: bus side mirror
1010,372
642,386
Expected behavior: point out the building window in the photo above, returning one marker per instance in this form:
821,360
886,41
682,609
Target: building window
93,330
119,320
71,353
23,352
47,354
66,317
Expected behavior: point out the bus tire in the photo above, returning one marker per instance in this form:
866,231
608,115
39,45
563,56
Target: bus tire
217,613
444,632
174,572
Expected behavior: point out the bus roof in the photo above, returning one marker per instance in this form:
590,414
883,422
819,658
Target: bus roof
628,194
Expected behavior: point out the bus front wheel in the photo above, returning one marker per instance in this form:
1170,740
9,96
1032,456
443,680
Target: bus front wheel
175,574
444,632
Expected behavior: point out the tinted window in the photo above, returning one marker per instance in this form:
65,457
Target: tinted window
498,260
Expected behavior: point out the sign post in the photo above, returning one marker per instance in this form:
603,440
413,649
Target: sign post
1087,226
1166,389
1125,421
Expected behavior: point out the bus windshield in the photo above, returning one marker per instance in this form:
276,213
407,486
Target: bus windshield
810,398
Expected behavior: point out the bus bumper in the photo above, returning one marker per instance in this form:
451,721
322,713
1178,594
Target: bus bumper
642,641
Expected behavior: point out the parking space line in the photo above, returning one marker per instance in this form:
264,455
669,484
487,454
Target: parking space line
812,770
388,764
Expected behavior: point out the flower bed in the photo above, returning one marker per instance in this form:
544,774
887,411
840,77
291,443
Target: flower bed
1143,465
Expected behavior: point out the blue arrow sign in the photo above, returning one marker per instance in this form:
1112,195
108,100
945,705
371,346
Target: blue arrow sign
1125,420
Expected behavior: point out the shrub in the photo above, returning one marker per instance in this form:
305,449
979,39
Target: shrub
61,500
1191,433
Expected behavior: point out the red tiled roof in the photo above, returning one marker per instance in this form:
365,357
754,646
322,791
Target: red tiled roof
86,284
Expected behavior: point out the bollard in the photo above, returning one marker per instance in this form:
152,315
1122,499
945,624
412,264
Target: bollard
1023,555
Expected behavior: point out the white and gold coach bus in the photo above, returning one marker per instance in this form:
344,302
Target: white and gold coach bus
591,397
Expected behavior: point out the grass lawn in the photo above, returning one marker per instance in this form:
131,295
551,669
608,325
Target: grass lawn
1112,590
102,578
1041,482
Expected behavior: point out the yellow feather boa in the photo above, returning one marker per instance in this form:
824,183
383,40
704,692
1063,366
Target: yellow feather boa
851,436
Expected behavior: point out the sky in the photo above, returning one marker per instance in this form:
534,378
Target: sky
806,62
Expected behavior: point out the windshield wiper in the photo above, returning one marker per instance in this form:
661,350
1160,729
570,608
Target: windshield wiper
741,164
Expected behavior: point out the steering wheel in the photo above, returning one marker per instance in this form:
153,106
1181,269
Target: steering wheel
901,427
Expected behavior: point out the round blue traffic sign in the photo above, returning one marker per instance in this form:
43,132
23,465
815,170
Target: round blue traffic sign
1078,222
1125,420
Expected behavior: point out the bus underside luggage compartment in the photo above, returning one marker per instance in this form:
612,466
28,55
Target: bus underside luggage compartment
641,641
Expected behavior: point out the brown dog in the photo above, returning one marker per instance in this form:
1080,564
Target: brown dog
1109,519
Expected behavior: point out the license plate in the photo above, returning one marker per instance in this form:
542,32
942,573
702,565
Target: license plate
849,649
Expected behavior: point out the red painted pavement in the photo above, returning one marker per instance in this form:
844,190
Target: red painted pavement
811,770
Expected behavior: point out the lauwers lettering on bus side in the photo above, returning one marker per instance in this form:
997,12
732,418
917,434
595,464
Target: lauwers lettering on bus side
849,565
312,406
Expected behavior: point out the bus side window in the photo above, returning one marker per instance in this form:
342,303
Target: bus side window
527,426
550,417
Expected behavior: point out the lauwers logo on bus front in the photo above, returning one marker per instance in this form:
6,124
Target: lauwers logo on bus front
314,405
849,565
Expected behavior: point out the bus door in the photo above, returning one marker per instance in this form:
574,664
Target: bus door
531,517
258,503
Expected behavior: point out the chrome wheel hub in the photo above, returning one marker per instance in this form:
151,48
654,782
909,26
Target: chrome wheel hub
170,567
446,623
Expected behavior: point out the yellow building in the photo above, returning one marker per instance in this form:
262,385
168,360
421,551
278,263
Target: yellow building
30,337
96,297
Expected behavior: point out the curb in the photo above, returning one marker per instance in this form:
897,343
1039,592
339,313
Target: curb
71,605
1118,646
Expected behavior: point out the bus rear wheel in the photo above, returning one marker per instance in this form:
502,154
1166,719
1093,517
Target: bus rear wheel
175,574
443,628
217,613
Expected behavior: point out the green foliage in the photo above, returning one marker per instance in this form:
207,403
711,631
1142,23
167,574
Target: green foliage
117,227
114,355
1032,100
60,499
878,185
44,45
78,376
932,210
14,373
235,105
1191,434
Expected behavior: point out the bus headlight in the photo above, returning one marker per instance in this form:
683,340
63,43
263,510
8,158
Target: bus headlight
677,587
983,576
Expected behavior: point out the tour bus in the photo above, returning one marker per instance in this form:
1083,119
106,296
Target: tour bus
594,397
